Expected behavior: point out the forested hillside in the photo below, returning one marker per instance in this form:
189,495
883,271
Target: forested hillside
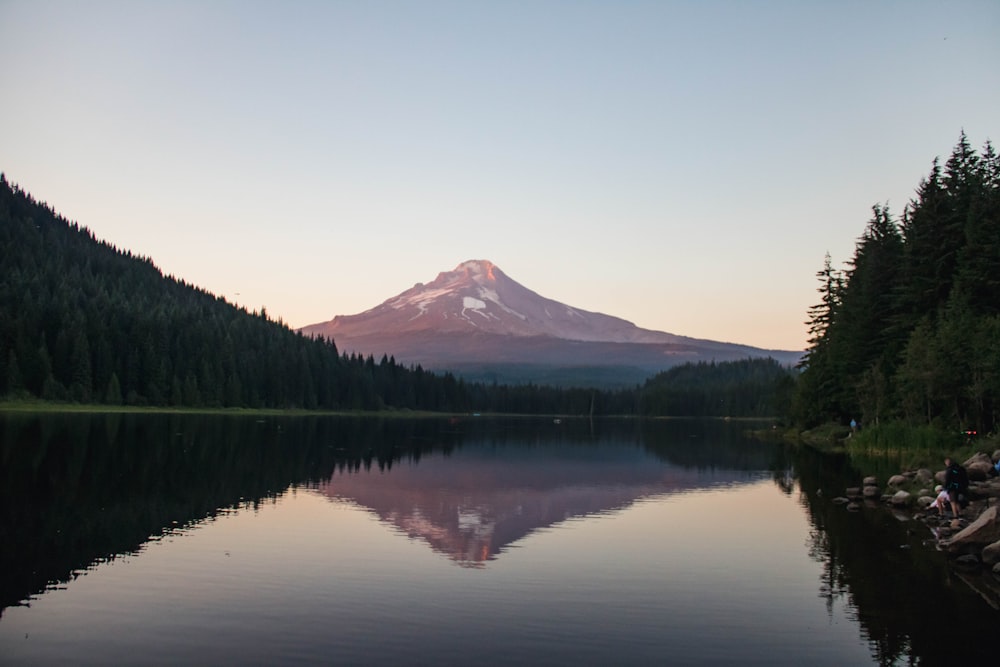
748,388
82,321
910,330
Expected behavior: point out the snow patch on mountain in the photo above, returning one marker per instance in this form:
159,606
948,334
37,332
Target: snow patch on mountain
422,300
477,307
491,295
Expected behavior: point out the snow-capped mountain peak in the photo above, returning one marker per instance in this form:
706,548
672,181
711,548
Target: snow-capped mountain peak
472,285
477,319
477,296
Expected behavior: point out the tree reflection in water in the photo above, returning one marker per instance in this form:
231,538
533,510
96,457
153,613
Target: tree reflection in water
911,606
78,490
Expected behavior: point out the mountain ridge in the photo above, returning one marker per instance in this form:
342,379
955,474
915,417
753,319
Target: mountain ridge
478,296
476,316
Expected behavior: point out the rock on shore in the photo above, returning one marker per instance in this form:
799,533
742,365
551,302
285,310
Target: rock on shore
972,539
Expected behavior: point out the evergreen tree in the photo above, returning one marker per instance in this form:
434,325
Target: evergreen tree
977,280
820,383
869,343
113,395
924,288
14,383
81,382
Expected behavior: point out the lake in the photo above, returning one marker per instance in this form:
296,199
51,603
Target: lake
183,539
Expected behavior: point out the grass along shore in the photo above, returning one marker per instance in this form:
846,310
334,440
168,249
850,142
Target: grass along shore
894,443
45,407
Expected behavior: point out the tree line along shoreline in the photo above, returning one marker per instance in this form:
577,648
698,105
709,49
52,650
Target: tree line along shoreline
82,322
904,340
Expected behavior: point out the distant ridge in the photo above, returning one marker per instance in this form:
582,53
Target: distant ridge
476,321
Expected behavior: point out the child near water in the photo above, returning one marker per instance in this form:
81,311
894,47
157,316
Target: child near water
941,501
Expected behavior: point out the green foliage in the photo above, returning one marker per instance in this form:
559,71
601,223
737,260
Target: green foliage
898,445
910,331
746,388
897,435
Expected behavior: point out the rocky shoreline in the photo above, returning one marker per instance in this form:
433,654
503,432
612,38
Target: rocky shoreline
971,540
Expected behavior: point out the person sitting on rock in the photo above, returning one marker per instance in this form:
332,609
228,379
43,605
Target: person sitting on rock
956,483
941,501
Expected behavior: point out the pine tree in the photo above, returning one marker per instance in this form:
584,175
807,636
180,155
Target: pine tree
14,384
923,290
81,383
820,383
978,277
113,395
869,341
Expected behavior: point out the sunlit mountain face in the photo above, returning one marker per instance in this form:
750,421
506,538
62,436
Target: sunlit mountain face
476,315
473,504
477,297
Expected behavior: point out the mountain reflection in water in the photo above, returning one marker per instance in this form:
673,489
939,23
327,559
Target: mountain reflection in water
474,503
78,492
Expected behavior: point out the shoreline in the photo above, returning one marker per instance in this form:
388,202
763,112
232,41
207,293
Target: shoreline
970,541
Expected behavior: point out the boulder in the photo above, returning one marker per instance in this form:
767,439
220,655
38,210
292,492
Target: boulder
871,492
923,502
979,471
978,457
991,553
900,498
852,492
896,480
840,500
984,530
988,489
924,476
939,476
996,569
870,481
978,466
968,561
987,587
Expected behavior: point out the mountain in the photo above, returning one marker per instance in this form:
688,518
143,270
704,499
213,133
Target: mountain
474,503
478,322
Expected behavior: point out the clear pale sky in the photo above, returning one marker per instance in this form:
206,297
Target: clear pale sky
683,165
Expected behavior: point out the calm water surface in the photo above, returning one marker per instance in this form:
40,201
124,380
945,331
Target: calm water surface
223,540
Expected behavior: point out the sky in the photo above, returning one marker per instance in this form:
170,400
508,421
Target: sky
683,165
